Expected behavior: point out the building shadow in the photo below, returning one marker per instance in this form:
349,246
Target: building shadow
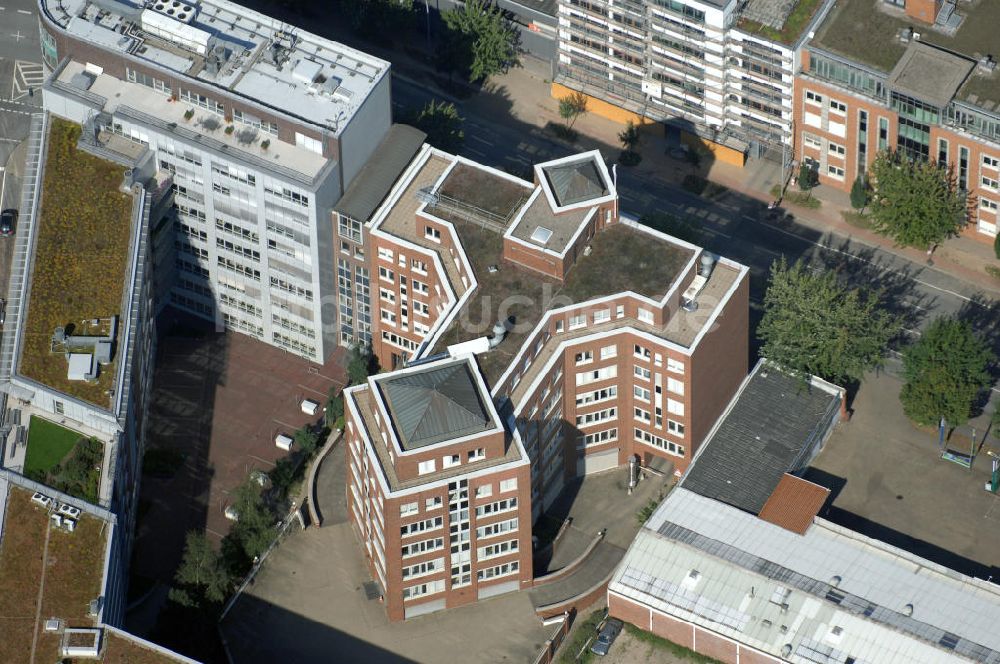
292,638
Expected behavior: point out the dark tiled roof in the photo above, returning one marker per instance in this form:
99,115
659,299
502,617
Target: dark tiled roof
576,182
375,179
442,403
771,429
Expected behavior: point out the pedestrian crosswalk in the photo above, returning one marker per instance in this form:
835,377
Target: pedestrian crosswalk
28,76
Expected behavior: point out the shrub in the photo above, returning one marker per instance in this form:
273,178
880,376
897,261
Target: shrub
188,114
564,132
230,129
993,271
996,245
265,144
629,158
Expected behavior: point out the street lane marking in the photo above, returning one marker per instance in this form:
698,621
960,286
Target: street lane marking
24,11
865,260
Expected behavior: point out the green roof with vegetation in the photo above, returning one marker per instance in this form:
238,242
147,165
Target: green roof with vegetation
64,459
798,20
868,31
81,253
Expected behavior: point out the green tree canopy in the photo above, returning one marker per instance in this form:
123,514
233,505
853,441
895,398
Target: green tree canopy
442,124
571,107
360,364
860,193
202,569
480,40
945,370
815,325
629,137
915,202
380,20
254,528
808,177
306,439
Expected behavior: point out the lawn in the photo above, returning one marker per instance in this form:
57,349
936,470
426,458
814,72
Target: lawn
48,444
20,573
79,270
797,20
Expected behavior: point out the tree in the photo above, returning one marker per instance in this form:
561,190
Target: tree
808,177
629,137
201,568
380,20
571,107
334,406
480,40
360,365
814,325
680,228
996,245
442,124
945,371
859,193
306,439
254,528
915,202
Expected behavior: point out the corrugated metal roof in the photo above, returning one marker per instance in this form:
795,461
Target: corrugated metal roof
435,405
772,428
794,503
372,183
892,606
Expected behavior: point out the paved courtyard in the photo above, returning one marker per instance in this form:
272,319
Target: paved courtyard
219,400
889,482
307,605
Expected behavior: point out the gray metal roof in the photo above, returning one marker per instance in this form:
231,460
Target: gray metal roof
929,74
576,181
773,426
753,581
372,183
441,403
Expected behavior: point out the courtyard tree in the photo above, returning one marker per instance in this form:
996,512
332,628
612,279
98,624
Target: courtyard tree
915,202
815,325
307,439
480,40
945,371
860,193
360,364
808,177
334,407
202,574
571,107
629,138
254,529
380,20
442,124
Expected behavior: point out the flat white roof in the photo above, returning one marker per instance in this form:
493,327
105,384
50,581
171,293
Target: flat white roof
235,49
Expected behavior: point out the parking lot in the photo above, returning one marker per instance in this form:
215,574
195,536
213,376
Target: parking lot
219,399
889,482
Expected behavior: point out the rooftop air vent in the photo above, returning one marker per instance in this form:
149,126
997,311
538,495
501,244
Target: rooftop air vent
986,64
905,35
181,11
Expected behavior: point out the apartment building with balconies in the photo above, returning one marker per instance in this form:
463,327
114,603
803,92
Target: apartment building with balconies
918,77
719,70
257,127
595,338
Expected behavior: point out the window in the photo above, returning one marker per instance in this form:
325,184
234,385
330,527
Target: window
641,393
498,549
432,233
642,415
675,428
990,183
661,443
675,386
835,172
675,407
642,373
406,509
309,143
425,546
432,503
421,526
420,267
883,133
387,295
388,317
836,150
675,366
963,168
838,107
385,254
640,352
645,316
814,97
424,568
811,141
597,416
500,570
991,162
508,485
429,588
600,437
602,316
597,395
425,467
505,505
386,275
604,373
584,357
987,204
59,407
477,454
607,352
484,491
577,321
497,528
451,460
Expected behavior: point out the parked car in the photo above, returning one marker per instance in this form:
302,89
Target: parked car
612,628
8,221
3,311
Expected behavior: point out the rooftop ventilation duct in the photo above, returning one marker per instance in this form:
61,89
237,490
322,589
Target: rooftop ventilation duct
705,267
500,331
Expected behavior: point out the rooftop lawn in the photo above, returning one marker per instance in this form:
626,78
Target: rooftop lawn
80,259
48,444
21,547
121,650
796,23
480,188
